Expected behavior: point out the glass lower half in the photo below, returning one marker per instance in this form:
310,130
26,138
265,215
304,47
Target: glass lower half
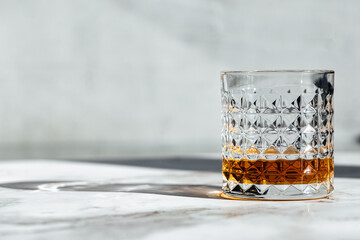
279,179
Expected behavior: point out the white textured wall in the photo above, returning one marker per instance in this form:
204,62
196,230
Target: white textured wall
147,72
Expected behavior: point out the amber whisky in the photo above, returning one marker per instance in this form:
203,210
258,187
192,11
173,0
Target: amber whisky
278,172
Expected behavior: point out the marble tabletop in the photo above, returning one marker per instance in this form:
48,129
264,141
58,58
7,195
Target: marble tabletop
162,198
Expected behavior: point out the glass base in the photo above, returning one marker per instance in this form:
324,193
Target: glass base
234,190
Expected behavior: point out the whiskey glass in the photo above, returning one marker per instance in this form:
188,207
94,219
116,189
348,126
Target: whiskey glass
278,134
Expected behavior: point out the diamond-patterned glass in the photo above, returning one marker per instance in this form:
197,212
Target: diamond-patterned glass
277,136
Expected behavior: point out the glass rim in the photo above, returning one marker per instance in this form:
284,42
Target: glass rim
280,71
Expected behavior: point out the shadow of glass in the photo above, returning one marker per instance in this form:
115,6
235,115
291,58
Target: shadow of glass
190,164
195,191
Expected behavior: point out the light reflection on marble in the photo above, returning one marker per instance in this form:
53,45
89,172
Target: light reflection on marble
111,202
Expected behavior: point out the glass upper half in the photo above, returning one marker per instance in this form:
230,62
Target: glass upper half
277,114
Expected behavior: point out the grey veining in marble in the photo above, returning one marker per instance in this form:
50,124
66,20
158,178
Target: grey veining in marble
108,201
